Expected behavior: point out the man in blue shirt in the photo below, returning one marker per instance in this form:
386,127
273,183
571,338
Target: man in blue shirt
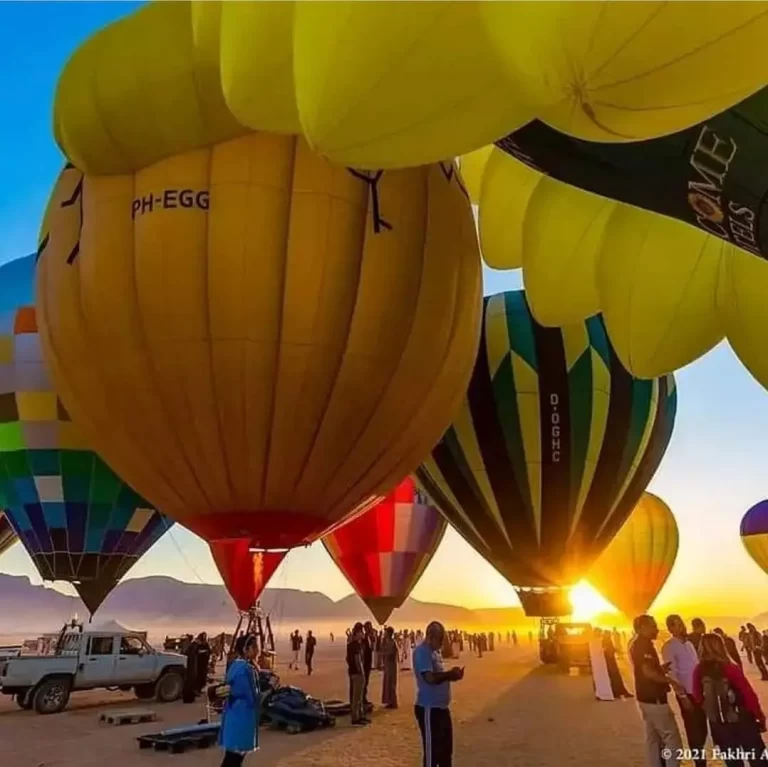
433,698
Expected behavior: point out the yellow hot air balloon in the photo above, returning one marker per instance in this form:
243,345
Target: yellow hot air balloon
608,71
256,339
631,572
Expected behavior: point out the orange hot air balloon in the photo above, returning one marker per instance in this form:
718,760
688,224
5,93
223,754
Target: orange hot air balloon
245,572
634,567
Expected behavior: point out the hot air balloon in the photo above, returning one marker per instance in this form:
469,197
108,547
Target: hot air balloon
550,452
7,536
76,519
257,340
245,573
754,534
631,572
384,551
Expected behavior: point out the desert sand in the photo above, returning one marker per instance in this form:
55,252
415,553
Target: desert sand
508,712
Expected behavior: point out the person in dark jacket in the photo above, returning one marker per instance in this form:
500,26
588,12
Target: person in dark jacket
756,642
309,651
730,646
698,629
203,662
356,671
189,692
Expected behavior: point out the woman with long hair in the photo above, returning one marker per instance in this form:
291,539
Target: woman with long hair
732,707
239,734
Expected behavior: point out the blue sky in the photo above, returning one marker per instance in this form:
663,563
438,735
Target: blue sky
714,470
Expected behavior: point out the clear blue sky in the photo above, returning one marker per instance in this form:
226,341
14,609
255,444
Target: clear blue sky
714,470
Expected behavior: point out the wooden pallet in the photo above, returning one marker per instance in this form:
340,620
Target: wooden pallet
136,716
177,742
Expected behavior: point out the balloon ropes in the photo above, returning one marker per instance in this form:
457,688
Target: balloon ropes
7,536
78,521
550,451
631,572
384,551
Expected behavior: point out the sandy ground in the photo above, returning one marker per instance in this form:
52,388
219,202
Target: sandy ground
508,712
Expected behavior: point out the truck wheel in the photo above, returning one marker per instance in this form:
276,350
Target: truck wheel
168,687
144,691
52,695
23,700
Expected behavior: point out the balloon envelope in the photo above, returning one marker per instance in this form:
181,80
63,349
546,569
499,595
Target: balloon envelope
384,551
754,534
552,448
634,567
76,519
245,573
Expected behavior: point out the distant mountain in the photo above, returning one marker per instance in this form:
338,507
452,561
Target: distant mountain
159,601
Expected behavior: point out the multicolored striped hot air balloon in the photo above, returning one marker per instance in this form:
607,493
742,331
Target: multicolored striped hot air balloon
384,551
754,534
550,452
631,572
7,536
245,572
77,520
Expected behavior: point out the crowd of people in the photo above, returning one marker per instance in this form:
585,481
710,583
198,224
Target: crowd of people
714,697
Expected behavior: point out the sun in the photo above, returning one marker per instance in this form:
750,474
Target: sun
587,603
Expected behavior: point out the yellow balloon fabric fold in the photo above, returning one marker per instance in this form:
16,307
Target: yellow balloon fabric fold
612,71
505,193
742,305
137,92
387,85
472,167
562,240
658,283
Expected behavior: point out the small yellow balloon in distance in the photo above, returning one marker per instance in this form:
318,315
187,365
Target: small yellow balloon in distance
386,85
615,71
634,567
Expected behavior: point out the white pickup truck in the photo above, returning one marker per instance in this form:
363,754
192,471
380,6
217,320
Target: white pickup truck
89,660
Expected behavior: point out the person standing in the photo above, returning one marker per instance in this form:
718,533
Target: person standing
203,661
530,637
730,702
514,638
333,639
309,651
389,658
296,642
618,688
433,698
356,673
681,657
651,687
730,646
698,629
189,691
369,642
239,732
755,642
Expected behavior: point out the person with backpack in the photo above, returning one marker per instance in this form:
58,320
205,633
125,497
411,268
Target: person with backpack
733,710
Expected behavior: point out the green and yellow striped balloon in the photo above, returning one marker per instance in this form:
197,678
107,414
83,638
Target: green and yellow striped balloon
551,450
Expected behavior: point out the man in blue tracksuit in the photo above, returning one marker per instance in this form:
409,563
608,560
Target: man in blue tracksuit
433,698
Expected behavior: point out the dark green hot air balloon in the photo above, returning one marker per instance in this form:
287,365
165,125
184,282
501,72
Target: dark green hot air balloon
550,452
